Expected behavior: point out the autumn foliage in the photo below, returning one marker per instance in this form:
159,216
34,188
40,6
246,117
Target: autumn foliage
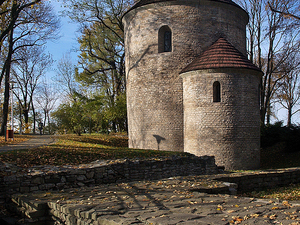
75,150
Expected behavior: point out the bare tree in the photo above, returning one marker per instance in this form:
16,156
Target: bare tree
27,23
288,93
27,71
46,98
271,40
10,11
286,12
65,76
257,17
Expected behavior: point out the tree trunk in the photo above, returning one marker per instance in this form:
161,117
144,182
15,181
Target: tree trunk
6,91
45,118
90,125
269,114
289,118
114,129
5,103
48,116
20,108
33,111
26,120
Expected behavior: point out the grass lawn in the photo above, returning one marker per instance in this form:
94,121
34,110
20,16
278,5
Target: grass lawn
74,150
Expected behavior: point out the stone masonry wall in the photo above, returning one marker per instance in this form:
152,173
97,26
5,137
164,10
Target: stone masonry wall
259,180
154,88
229,129
127,171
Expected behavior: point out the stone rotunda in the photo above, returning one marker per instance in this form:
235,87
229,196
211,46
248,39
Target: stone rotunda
190,86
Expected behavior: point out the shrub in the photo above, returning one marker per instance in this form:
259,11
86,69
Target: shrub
276,133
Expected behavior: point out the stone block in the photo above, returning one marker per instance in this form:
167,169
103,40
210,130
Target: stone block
9,178
90,174
48,186
81,178
34,188
37,180
78,171
53,180
71,220
24,189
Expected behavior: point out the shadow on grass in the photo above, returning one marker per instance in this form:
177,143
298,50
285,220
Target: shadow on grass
102,139
57,154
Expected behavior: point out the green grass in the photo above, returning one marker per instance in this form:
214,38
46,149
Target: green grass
74,150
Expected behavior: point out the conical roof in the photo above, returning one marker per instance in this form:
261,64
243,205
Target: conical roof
221,54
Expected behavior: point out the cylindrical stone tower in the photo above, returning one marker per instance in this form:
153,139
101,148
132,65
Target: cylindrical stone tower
161,38
221,107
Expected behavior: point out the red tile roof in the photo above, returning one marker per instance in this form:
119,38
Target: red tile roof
221,54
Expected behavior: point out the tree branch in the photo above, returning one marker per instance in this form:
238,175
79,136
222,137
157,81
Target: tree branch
287,14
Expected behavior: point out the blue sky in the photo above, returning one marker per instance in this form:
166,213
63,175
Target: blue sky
67,41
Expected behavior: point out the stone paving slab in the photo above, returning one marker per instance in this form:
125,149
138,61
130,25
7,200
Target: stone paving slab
163,202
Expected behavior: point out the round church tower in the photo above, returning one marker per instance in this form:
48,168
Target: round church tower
221,107
161,38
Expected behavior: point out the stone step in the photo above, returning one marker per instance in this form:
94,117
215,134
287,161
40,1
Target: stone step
23,200
36,212
82,206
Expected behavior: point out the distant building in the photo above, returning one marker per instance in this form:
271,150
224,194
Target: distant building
190,86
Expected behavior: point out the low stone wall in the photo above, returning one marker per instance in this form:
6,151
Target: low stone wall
259,180
124,203
109,172
134,170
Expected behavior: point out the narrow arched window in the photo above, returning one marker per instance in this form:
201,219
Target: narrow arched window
216,91
164,39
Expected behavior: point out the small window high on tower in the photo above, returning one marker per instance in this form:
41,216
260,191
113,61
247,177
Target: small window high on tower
164,39
216,91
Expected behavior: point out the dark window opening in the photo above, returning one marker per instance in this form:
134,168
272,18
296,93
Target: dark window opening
167,41
216,92
164,39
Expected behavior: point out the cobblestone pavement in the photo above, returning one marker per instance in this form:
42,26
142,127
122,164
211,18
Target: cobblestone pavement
163,202
35,141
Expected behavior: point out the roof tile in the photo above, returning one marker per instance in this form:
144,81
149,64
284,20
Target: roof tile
221,54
